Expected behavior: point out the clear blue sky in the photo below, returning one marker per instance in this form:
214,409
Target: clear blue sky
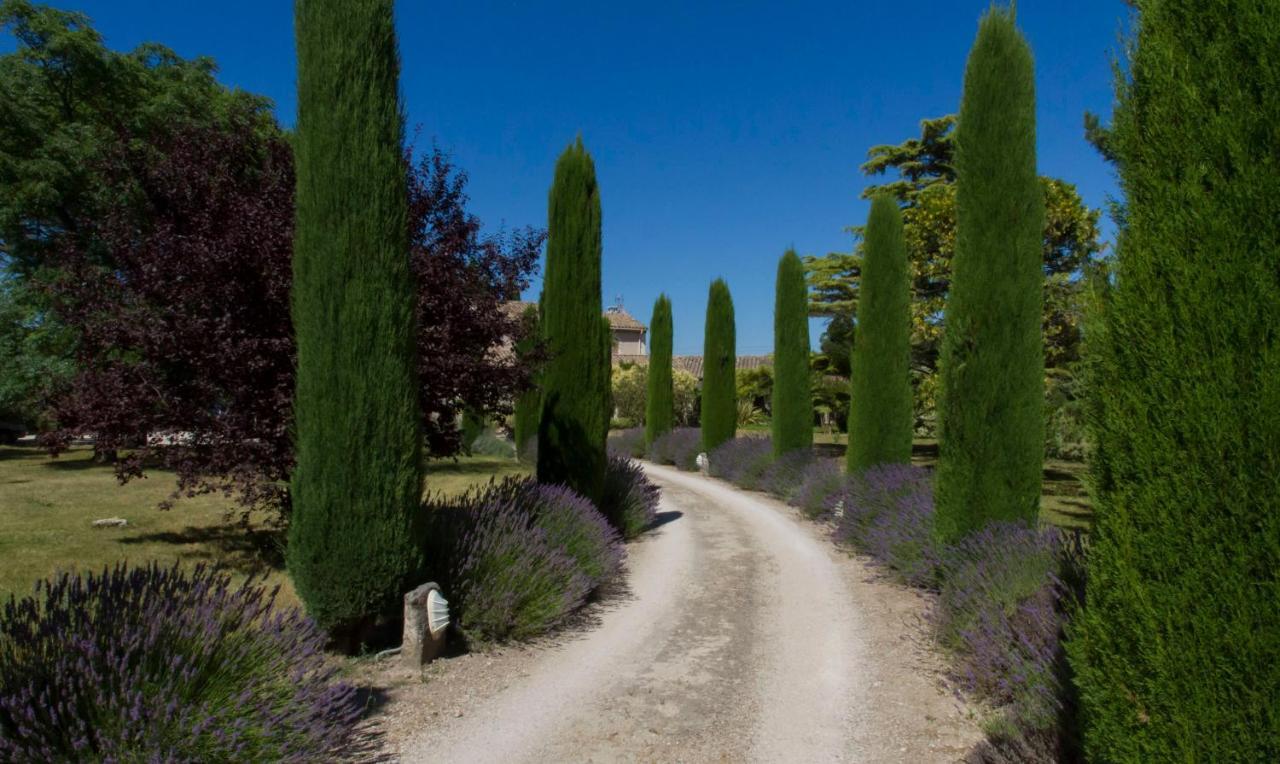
723,132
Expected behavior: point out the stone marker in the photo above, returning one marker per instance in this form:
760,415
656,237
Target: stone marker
110,522
421,643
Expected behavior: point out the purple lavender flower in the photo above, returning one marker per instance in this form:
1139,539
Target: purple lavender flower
680,447
157,664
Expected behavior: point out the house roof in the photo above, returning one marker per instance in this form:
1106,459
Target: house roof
619,318
693,363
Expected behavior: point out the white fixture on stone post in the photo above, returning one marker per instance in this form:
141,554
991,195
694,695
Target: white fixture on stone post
704,463
426,623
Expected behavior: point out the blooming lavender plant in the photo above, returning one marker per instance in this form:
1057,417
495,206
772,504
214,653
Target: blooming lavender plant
518,557
627,443
888,515
630,500
783,476
742,461
1001,611
819,488
679,447
158,664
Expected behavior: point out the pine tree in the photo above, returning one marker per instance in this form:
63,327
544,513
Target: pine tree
574,425
991,418
880,405
792,393
719,369
1177,650
528,406
660,398
358,481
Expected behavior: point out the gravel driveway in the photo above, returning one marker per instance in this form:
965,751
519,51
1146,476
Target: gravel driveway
745,636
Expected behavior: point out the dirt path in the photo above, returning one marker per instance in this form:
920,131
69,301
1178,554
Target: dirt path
746,637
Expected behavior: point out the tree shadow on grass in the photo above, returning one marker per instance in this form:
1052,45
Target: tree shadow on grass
244,550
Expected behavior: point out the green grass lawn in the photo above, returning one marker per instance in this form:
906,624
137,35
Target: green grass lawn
47,507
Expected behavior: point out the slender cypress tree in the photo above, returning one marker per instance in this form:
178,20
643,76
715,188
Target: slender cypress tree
659,408
529,405
792,390
880,405
1177,651
991,418
719,369
574,425
358,481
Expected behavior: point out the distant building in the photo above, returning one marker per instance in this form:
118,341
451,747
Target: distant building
630,342
629,335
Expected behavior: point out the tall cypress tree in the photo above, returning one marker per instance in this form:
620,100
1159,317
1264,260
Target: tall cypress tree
659,411
719,369
574,425
880,405
1177,651
358,481
792,392
991,418
528,406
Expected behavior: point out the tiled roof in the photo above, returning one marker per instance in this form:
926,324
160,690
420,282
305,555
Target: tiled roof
619,318
693,363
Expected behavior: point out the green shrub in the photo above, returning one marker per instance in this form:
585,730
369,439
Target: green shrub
357,482
629,394
1177,652
575,382
991,410
660,399
719,367
880,404
792,414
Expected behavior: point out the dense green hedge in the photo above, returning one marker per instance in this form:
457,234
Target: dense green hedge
358,480
1177,652
991,407
880,407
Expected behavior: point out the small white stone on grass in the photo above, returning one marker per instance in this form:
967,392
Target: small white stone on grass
110,522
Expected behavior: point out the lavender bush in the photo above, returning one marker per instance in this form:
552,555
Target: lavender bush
1001,612
819,488
630,500
888,515
742,461
783,476
157,664
679,447
572,523
627,443
517,558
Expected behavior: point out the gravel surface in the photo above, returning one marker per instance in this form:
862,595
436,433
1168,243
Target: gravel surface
744,636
